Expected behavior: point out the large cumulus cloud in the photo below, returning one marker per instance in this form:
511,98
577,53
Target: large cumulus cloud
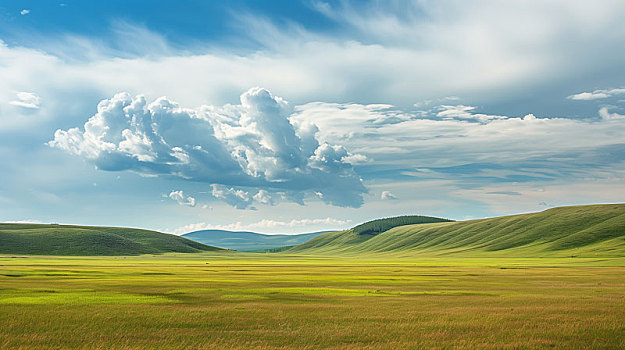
251,145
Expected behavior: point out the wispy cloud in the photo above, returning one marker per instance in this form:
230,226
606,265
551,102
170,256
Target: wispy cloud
26,221
394,48
606,115
387,195
28,100
596,95
497,149
179,197
265,225
237,198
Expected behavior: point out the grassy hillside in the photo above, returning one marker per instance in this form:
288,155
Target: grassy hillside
380,225
248,241
586,230
84,240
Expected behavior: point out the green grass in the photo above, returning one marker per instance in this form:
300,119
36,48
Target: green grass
227,300
579,231
47,296
592,230
537,281
86,240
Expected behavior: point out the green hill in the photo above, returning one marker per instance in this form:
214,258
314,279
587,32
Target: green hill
39,239
587,230
380,225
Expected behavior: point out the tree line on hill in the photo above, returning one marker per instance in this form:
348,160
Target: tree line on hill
380,225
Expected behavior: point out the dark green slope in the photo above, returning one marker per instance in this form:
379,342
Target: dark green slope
375,227
85,240
591,228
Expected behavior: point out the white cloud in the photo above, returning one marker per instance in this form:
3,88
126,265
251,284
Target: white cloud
425,140
26,221
264,225
179,197
606,115
240,198
250,145
464,112
27,100
24,12
506,47
237,198
386,195
597,94
263,197
385,55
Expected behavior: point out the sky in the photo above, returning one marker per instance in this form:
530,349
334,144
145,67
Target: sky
302,116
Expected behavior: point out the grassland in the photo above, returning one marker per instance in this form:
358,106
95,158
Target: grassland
554,279
88,240
589,230
278,301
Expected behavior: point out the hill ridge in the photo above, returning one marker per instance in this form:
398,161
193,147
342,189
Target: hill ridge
558,230
53,239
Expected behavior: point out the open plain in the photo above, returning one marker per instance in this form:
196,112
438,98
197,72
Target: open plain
280,301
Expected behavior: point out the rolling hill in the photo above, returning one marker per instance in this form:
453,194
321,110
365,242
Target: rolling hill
375,227
586,230
37,239
591,230
248,241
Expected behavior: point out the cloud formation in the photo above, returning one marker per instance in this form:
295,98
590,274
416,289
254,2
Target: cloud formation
263,197
518,57
387,195
509,50
233,148
606,115
179,197
468,148
237,198
264,225
464,112
28,100
596,95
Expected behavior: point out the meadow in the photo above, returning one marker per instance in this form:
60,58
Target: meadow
229,300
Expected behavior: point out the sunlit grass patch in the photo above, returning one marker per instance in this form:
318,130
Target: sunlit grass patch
243,297
76,297
191,291
360,292
252,292
449,293
45,273
233,293
322,291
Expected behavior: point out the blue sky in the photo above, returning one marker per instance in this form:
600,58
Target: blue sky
295,116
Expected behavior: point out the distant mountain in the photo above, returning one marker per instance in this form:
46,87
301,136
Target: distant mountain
37,239
588,230
248,241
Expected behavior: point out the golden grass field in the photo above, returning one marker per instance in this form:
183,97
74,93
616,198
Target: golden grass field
277,301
